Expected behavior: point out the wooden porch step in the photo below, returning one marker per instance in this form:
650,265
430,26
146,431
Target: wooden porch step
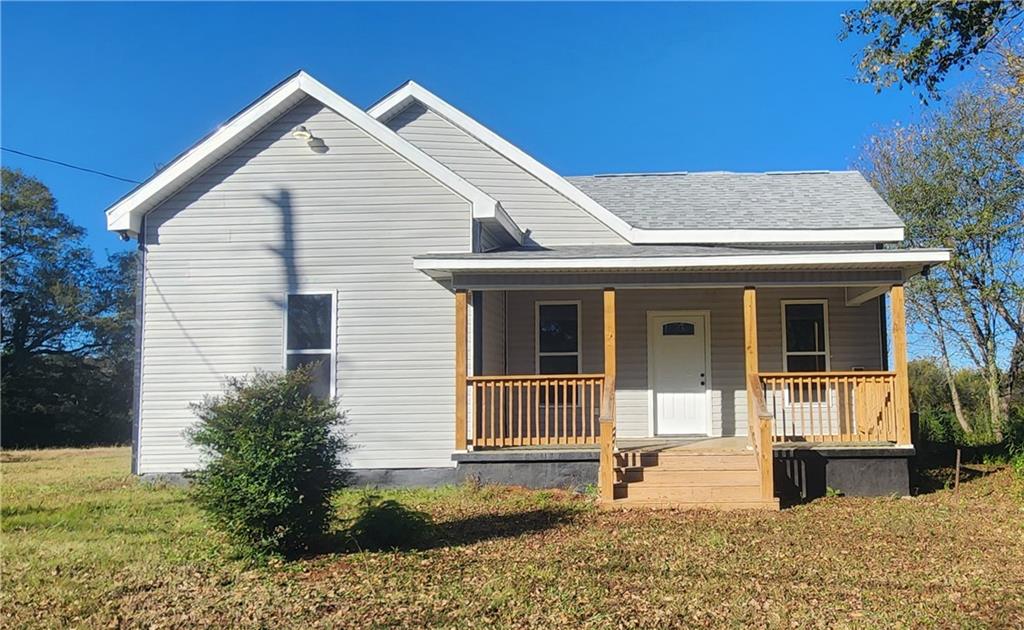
688,494
658,504
688,477
740,460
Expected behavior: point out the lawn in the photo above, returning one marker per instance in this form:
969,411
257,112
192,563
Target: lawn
86,545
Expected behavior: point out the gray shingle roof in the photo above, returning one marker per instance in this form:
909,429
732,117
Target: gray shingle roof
719,200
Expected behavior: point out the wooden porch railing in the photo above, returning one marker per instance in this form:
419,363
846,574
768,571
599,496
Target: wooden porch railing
536,409
831,406
761,438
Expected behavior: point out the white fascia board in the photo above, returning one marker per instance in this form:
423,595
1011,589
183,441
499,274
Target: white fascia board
411,91
127,213
700,237
803,259
510,226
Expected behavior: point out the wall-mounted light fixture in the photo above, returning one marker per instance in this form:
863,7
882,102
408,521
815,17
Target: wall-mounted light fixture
316,145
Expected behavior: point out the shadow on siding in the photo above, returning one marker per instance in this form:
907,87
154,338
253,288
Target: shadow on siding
286,251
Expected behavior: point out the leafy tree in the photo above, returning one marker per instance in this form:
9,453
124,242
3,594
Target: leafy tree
957,179
66,326
916,43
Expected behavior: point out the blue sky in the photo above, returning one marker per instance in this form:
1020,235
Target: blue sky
585,88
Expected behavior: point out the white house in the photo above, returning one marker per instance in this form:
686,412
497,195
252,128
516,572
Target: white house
477,313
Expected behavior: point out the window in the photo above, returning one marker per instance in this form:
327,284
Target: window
805,335
558,338
677,328
309,338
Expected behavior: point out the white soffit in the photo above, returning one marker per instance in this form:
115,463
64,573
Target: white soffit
411,91
126,214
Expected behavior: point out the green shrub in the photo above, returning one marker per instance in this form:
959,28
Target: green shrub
387,524
272,461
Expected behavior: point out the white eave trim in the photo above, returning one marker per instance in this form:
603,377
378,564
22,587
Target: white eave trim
638,236
411,91
774,260
126,214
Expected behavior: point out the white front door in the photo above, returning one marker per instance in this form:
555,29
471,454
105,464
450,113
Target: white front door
678,378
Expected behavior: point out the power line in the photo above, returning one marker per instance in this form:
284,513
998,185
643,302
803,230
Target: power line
80,168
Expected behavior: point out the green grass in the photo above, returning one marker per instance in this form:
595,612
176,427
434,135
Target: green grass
86,545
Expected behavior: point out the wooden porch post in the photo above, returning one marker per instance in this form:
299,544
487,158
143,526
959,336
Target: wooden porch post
606,467
609,352
750,352
759,426
899,354
460,370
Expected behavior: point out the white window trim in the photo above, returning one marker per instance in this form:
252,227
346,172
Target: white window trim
334,334
806,353
579,334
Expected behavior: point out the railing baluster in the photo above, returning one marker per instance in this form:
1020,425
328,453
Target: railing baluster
477,406
490,407
576,430
547,412
539,411
825,433
565,413
590,410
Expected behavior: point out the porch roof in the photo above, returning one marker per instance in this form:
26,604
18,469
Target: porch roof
579,258
821,200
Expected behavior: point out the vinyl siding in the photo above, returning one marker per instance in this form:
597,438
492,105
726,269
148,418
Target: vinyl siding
275,217
551,218
493,333
854,332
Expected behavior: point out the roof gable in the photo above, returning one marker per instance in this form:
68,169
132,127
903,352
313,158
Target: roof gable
551,217
126,214
625,212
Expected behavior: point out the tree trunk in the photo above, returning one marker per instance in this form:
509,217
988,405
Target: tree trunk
954,393
940,335
994,399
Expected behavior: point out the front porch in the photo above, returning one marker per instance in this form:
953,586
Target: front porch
798,345
617,410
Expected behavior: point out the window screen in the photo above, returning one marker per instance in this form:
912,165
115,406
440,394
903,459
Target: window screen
558,343
310,321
